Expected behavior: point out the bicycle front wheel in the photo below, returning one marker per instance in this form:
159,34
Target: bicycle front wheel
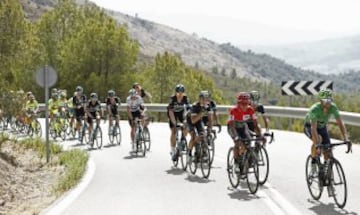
263,164
37,128
205,160
211,142
98,137
313,178
192,161
252,172
233,176
117,134
147,138
338,183
183,154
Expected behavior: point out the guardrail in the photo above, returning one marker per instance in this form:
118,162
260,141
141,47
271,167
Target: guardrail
349,118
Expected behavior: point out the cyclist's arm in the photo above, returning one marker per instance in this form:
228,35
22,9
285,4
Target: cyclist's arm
195,117
342,127
266,122
172,116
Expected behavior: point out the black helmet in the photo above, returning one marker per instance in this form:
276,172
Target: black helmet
111,93
179,88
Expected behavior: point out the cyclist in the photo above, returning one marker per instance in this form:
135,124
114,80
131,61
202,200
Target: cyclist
112,104
211,119
63,104
32,108
316,123
175,111
259,108
194,120
79,102
53,105
135,109
141,92
93,111
237,125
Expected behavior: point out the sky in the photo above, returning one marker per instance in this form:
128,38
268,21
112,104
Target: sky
250,22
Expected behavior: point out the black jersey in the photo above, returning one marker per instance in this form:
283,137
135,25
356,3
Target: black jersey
260,109
114,105
178,106
93,108
78,103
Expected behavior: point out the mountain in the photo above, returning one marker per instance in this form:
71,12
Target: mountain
202,53
330,56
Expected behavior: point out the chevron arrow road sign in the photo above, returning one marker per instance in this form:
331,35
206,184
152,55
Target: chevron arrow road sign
303,88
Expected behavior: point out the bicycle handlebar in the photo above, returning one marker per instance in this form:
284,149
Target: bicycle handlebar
271,135
347,143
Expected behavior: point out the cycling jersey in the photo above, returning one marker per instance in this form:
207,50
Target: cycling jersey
31,106
317,114
260,109
240,116
92,108
135,104
79,102
205,117
179,106
113,105
53,105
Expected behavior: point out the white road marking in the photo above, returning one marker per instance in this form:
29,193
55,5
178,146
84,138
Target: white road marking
277,203
61,204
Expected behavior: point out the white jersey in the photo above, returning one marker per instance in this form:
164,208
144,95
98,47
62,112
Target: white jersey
134,103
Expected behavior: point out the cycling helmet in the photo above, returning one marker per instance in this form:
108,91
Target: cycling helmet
243,98
54,90
54,95
205,94
132,92
28,93
79,89
255,96
93,96
135,84
111,93
31,97
179,88
325,95
63,94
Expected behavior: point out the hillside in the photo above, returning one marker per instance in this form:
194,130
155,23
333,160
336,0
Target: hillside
330,56
202,53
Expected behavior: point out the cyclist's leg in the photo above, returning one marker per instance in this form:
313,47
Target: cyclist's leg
324,134
307,131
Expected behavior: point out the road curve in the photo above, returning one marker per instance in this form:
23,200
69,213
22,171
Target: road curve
123,184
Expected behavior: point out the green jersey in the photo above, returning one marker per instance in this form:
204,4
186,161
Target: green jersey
31,106
317,114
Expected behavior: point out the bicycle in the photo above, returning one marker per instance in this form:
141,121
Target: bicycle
263,158
181,146
328,174
210,138
139,139
34,126
201,155
249,168
146,132
58,127
95,136
115,133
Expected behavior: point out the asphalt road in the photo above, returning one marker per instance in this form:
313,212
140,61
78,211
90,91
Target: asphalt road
124,184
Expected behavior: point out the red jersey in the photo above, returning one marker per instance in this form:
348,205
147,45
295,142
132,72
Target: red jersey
237,114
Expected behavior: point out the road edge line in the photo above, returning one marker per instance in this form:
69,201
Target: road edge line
61,204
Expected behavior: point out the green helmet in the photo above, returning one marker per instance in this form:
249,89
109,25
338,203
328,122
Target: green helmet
254,95
325,94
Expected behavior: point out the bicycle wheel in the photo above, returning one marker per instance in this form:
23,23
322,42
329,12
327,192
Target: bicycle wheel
205,160
35,129
183,153
117,134
211,143
111,134
263,163
97,135
84,134
147,138
252,172
233,177
313,179
192,161
338,183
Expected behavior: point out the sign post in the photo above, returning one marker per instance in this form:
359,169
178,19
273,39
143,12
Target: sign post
46,77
